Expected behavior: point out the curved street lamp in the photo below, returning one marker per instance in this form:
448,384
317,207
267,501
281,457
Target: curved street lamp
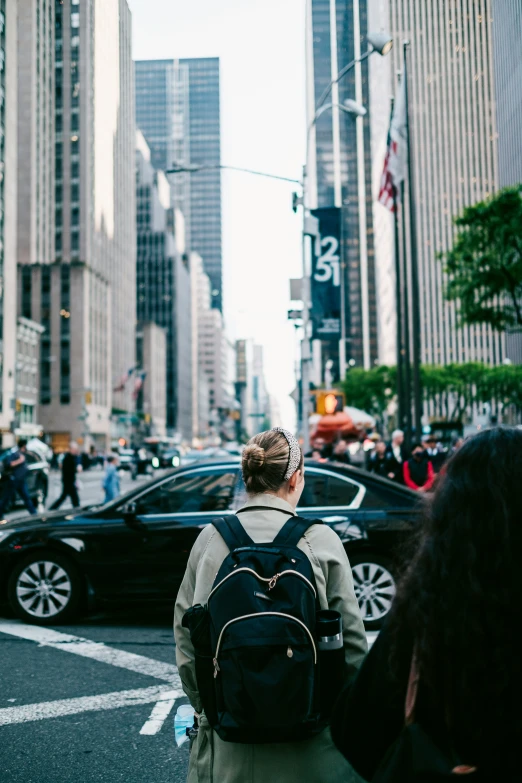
379,43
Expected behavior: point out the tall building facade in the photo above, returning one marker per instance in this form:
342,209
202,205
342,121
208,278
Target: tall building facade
205,149
163,286
92,286
456,148
162,115
507,38
178,112
8,214
36,22
339,165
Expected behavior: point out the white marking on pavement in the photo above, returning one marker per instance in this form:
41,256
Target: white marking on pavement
97,651
159,714
105,701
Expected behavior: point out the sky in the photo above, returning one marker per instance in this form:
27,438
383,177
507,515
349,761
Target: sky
261,47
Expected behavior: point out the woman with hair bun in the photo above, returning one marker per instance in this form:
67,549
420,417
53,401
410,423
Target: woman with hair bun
274,476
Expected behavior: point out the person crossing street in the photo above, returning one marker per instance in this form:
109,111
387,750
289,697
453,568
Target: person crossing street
16,468
69,473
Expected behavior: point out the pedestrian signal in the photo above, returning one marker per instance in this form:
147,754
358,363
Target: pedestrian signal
328,402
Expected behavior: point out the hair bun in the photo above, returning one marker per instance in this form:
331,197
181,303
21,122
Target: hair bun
254,457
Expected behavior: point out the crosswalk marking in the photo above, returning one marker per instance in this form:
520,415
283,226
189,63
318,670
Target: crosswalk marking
165,696
97,651
161,694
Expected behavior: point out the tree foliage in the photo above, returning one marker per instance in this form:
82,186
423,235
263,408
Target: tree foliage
484,266
454,388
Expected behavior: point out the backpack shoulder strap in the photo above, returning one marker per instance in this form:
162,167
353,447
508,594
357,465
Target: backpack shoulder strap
232,532
293,530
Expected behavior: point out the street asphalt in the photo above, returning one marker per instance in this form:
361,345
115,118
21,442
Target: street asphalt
89,741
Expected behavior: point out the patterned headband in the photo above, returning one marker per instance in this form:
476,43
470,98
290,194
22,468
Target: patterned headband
294,454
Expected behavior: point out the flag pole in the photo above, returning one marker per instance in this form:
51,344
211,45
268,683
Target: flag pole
415,297
398,297
403,263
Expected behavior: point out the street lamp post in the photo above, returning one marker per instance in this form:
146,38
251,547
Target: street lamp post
379,43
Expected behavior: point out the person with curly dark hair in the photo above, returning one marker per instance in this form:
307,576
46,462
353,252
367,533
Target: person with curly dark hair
456,616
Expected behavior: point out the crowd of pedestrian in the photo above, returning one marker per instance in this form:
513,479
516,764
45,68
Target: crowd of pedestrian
70,464
416,468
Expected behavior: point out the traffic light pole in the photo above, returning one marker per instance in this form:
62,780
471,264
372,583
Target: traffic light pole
306,351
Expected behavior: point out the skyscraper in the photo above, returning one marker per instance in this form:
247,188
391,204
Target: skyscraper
163,286
340,173
162,115
84,299
205,149
36,131
8,184
178,112
456,150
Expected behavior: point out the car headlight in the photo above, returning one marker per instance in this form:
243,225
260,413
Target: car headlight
155,462
5,534
175,461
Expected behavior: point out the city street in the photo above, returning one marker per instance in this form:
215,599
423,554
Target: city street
91,702
90,491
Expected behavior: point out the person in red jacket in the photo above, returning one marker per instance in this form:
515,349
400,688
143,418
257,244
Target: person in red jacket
418,470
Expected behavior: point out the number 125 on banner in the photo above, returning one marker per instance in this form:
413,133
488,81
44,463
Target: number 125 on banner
326,276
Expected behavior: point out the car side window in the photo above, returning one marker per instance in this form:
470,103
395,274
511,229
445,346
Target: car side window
188,493
341,492
314,493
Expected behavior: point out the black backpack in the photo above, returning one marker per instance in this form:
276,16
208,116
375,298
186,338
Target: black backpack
257,659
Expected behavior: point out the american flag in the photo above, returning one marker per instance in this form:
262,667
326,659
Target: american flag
123,380
396,162
388,191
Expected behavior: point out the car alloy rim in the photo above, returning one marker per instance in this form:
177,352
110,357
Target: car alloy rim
375,588
43,589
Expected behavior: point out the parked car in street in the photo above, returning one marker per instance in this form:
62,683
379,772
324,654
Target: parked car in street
170,458
136,547
37,477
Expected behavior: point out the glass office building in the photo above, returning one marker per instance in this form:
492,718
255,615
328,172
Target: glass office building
178,112
334,32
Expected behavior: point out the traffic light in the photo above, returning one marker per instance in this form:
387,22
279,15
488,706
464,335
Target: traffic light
328,401
18,406
88,397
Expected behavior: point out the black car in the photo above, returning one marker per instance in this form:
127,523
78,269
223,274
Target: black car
136,548
37,477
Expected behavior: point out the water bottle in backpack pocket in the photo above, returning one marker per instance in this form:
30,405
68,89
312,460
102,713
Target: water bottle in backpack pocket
263,682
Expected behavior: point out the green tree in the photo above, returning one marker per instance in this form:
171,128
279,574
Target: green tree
370,390
484,266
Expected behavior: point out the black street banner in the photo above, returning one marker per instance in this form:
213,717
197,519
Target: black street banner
326,276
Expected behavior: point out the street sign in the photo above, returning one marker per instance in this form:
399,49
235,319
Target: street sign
326,276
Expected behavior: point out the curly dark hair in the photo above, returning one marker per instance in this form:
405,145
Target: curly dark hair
461,597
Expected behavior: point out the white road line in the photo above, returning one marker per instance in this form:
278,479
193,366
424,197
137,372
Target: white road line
95,650
159,714
105,701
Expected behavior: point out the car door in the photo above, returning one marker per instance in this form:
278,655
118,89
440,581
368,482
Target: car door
140,551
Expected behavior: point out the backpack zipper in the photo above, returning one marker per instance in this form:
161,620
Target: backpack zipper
260,614
272,580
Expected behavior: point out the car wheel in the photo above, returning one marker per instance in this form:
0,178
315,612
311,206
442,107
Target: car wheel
45,588
375,587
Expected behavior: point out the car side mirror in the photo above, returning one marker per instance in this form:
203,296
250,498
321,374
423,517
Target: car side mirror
130,516
129,509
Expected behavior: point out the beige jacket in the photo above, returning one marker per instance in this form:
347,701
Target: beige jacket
312,761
